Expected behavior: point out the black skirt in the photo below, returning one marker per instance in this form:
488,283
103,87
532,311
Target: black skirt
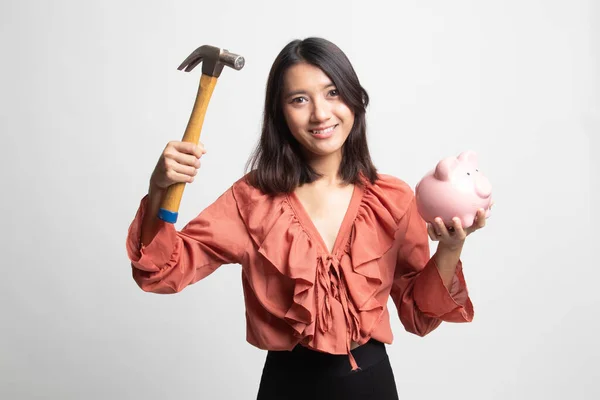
304,374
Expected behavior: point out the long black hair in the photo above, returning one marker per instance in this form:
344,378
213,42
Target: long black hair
277,163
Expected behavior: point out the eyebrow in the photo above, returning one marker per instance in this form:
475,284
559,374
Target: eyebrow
300,91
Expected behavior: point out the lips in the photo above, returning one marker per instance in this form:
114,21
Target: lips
323,131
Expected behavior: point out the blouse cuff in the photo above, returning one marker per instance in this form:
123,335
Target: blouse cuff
434,299
158,252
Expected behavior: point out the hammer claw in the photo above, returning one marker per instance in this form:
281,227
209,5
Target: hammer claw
193,64
190,62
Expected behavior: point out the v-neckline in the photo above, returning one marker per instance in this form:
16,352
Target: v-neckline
347,221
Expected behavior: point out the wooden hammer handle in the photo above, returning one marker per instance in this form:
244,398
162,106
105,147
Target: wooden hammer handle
170,206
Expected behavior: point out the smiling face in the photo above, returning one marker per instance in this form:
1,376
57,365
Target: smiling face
314,111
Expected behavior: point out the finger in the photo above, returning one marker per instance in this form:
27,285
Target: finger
184,159
440,229
480,219
478,223
459,232
432,234
177,177
184,169
190,148
199,150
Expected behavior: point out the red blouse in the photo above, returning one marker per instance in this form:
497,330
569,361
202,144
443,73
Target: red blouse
295,290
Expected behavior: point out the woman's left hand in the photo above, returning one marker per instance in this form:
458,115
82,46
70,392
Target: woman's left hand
453,237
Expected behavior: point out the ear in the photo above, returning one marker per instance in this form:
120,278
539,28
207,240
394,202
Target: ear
469,157
444,168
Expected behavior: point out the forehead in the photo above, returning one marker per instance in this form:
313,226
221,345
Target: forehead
305,76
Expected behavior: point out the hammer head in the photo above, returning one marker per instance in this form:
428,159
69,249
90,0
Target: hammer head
213,59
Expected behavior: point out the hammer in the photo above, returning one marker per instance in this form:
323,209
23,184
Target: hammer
213,59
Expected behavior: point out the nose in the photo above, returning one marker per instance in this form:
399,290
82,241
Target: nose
321,110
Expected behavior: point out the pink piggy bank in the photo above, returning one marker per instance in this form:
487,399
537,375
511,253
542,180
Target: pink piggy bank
455,188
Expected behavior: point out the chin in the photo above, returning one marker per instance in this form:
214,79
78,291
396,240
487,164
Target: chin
323,151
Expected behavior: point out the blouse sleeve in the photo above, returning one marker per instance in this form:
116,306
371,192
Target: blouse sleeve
421,298
175,259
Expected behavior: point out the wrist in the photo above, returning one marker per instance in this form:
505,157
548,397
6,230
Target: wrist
154,188
450,248
446,259
156,196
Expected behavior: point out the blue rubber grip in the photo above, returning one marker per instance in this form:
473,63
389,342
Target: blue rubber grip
168,216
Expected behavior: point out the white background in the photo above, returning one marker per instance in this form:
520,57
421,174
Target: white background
90,95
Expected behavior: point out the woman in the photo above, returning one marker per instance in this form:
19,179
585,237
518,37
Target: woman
322,238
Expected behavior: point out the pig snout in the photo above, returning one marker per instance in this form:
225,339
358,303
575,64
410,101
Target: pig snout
483,188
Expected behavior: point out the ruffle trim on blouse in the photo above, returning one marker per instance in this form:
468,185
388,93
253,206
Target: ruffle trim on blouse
283,240
373,235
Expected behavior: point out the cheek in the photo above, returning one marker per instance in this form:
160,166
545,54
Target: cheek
288,118
345,112
294,119
349,120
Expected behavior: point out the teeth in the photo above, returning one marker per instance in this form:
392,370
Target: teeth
324,130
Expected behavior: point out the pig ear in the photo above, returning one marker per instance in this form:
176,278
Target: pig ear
469,157
445,167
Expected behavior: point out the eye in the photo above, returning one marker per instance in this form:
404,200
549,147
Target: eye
468,173
476,170
334,92
299,100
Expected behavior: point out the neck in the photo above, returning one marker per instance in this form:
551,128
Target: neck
328,167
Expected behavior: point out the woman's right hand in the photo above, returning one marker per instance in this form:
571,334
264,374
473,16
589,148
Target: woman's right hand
179,162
